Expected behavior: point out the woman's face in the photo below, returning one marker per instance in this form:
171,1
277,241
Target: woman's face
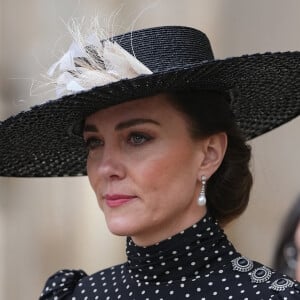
144,168
297,244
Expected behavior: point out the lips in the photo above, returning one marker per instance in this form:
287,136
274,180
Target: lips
116,200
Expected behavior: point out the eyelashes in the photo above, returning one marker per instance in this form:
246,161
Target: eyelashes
137,138
133,139
93,143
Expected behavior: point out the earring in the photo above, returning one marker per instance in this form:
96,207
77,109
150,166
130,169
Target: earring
202,197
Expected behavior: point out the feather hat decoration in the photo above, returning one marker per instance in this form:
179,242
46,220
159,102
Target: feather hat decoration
92,61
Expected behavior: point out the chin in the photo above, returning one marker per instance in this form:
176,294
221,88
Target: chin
120,226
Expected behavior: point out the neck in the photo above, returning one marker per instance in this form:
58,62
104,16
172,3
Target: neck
187,254
170,228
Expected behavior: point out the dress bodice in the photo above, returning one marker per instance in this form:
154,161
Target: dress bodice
197,263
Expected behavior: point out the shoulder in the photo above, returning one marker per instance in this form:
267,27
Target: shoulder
66,283
61,284
263,282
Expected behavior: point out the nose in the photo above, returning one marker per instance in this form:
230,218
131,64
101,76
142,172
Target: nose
110,164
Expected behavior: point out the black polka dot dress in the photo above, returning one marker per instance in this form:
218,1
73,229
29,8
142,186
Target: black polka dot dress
198,263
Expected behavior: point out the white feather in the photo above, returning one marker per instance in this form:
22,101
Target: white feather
93,61
119,61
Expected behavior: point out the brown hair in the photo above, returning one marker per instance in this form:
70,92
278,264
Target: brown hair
209,112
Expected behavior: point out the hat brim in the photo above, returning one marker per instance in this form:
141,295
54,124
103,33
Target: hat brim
41,142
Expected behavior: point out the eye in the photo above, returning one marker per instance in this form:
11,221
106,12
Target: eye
93,143
138,138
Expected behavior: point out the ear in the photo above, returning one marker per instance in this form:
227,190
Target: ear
213,148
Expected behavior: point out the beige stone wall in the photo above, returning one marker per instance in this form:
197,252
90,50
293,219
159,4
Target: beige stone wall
48,224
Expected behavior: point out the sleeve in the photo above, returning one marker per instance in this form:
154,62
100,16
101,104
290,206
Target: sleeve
61,284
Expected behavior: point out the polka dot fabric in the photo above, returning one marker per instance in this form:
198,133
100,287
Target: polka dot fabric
198,263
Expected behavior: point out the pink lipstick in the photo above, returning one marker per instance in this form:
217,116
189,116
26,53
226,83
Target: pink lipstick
117,199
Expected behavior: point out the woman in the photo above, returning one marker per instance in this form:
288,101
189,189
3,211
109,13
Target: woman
286,257
160,127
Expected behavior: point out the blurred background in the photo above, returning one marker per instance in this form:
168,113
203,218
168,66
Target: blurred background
50,224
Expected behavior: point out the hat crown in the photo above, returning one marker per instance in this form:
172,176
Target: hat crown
166,48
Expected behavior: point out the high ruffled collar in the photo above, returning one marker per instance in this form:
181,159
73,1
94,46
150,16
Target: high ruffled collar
183,255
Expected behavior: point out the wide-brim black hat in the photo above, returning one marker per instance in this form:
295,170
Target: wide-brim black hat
42,141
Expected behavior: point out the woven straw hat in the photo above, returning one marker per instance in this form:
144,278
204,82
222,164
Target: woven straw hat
41,142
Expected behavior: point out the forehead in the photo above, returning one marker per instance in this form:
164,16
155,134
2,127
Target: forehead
154,106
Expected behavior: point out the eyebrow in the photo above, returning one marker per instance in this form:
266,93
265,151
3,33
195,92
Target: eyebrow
123,125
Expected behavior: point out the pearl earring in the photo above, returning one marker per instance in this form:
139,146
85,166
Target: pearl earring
202,197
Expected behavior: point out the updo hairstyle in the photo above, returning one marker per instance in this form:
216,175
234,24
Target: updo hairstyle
208,112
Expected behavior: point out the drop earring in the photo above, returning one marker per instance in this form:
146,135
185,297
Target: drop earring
202,197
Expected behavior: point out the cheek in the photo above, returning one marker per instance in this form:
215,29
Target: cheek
167,172
90,173
94,181
148,175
